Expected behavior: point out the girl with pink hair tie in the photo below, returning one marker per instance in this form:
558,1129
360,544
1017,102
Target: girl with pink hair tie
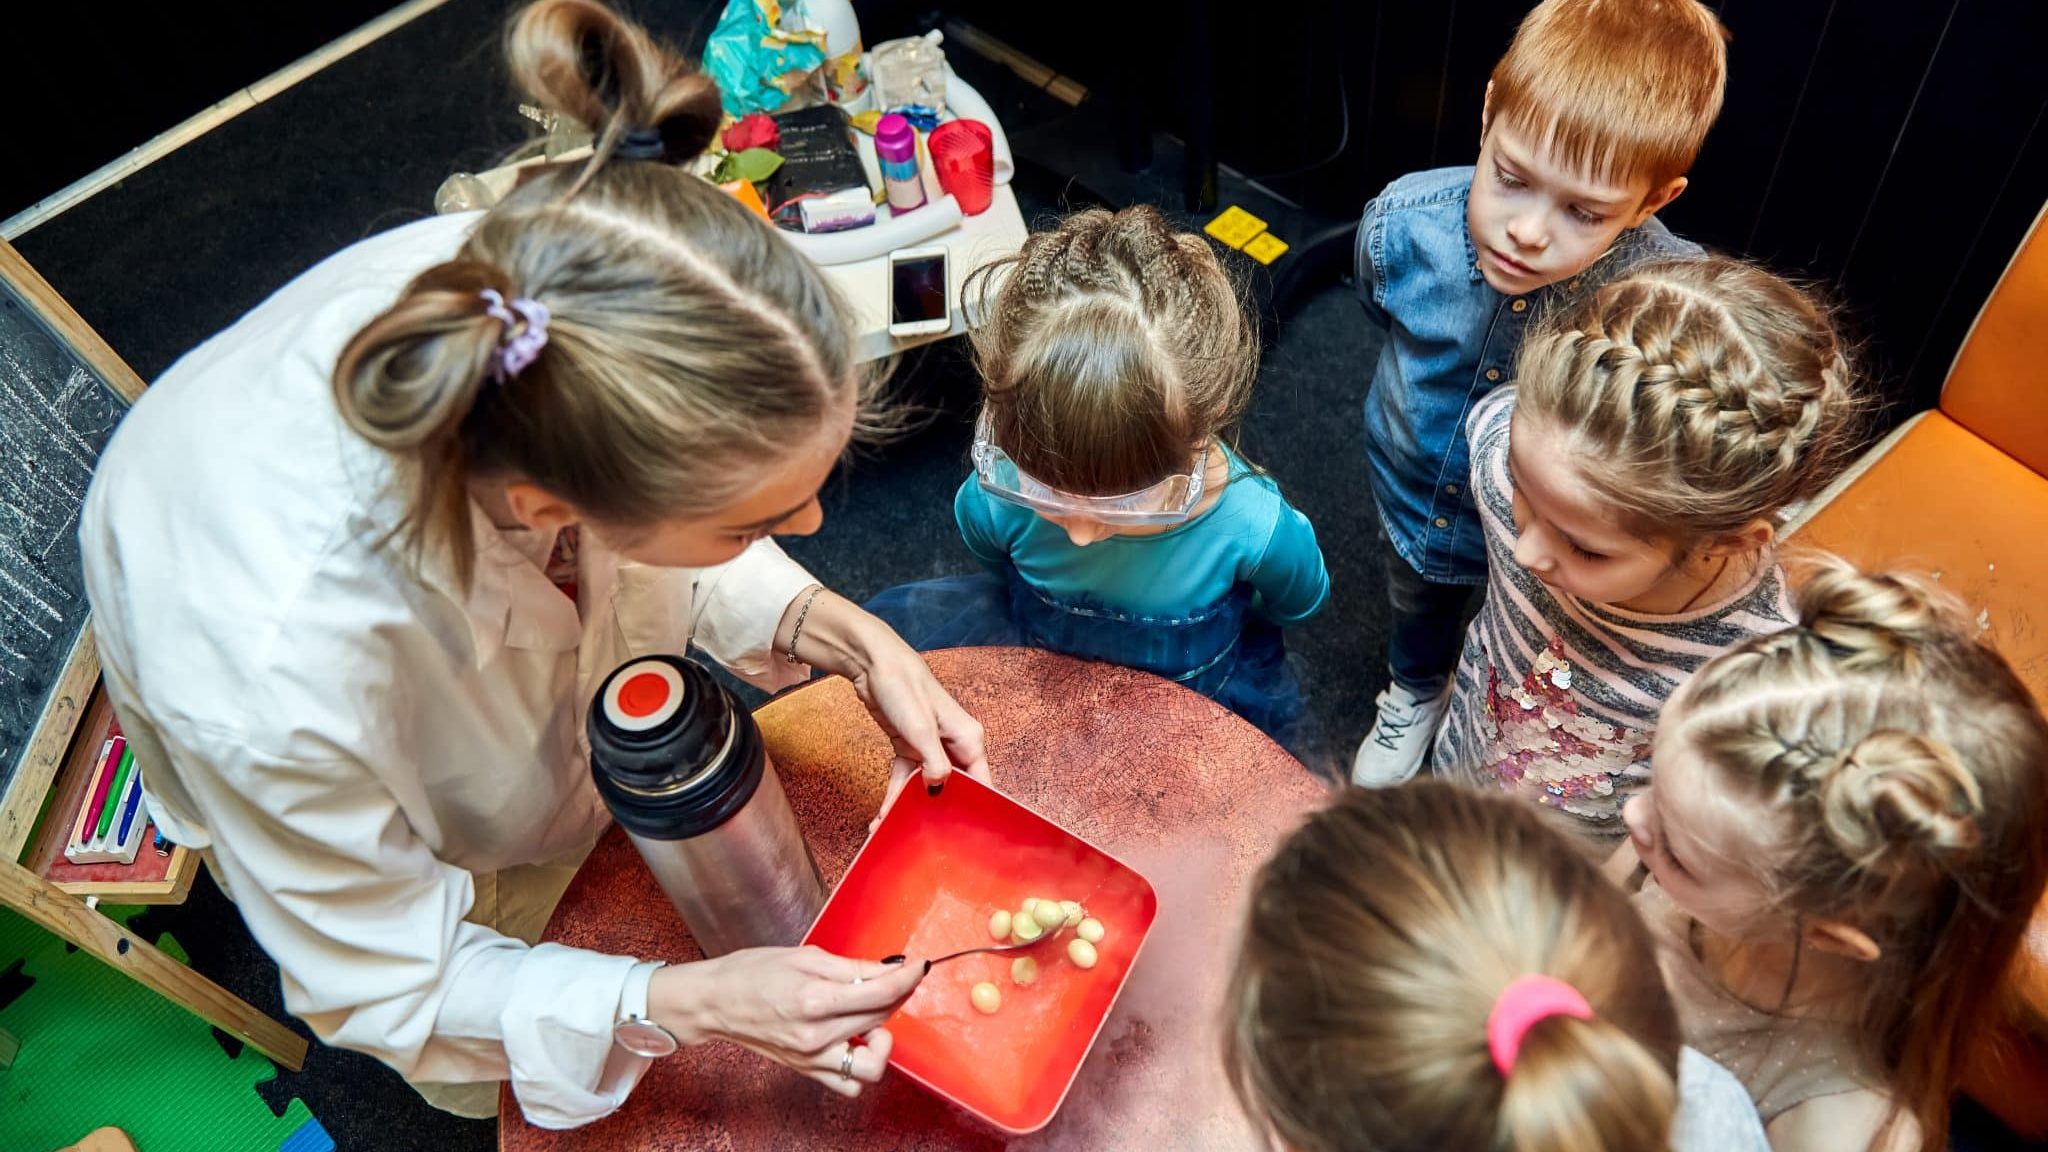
1427,967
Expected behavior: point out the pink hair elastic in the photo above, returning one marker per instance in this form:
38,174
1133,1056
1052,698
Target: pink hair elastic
526,332
1520,1005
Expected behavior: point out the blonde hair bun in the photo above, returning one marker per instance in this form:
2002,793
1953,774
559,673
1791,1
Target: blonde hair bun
579,59
1875,618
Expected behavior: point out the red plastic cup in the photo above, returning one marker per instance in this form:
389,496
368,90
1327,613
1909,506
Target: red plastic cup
965,161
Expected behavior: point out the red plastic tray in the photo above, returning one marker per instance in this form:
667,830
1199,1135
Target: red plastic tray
925,885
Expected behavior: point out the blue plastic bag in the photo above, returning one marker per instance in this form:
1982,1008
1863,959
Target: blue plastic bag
754,61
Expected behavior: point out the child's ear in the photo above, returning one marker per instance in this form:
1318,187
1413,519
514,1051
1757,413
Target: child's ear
1841,939
1754,536
1657,198
539,509
1485,113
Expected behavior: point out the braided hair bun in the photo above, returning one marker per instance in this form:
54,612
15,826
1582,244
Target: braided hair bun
1897,773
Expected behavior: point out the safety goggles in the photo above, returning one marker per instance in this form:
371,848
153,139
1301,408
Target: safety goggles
1167,502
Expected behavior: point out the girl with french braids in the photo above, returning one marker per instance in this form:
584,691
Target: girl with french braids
1846,839
1630,485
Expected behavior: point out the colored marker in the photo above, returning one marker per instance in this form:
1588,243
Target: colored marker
128,812
120,789
163,846
89,816
99,768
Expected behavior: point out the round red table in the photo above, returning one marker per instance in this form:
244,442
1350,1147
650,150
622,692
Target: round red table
1174,785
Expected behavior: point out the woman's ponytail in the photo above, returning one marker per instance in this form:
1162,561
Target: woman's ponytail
408,381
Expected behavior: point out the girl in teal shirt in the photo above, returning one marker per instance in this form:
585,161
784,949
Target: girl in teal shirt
1116,523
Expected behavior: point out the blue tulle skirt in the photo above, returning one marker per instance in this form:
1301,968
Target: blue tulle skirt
1223,650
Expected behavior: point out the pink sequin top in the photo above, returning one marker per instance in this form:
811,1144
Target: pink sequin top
1556,697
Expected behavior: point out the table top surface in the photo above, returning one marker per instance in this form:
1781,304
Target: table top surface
864,284
1171,783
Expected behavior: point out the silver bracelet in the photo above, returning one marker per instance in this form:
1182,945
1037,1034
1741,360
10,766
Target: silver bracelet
797,632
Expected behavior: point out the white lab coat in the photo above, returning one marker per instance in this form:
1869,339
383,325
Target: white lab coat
348,736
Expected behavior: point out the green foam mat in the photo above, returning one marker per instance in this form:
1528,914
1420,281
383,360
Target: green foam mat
99,1049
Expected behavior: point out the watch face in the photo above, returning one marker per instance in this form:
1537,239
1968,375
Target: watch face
643,1037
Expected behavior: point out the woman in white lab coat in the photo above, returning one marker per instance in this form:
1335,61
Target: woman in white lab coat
358,562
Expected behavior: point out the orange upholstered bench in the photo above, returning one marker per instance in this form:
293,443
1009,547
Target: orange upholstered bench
1962,491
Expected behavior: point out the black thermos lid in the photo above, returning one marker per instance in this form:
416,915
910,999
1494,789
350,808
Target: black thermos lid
672,752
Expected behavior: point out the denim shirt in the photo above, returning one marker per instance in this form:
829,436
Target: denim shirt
1450,339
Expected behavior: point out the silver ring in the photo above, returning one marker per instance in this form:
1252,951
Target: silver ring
846,1062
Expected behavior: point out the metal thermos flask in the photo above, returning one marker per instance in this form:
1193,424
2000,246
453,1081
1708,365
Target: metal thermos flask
681,766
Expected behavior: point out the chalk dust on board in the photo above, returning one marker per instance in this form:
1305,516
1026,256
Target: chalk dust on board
54,418
1155,1078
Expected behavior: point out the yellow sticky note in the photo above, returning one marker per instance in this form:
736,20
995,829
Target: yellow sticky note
1265,248
1234,226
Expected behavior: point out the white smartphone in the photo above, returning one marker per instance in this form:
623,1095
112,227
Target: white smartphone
917,292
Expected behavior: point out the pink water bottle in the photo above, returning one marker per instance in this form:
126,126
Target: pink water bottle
896,154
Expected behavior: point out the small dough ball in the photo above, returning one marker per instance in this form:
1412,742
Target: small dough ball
1090,930
1082,953
1025,929
1049,914
1030,905
1073,910
987,998
999,924
1024,970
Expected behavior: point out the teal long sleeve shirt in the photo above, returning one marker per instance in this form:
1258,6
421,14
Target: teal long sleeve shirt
1250,535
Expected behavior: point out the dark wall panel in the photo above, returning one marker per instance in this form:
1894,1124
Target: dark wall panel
151,66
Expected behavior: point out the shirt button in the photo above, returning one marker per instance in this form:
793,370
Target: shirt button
1520,305
1451,489
1493,373
1442,523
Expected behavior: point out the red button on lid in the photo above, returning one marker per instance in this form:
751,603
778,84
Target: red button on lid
643,695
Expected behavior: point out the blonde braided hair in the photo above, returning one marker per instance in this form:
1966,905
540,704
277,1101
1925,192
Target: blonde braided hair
1113,346
1902,770
1697,396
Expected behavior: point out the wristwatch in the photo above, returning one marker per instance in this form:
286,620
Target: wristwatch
634,1030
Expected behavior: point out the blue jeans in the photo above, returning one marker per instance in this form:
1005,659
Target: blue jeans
1425,628
1223,651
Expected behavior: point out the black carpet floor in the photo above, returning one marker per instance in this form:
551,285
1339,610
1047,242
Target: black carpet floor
183,248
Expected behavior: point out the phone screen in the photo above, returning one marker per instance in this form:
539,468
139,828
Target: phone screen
919,292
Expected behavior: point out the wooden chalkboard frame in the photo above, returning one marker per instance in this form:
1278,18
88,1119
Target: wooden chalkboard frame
44,752
21,800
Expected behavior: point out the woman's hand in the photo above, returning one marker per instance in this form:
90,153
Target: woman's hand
931,733
803,1008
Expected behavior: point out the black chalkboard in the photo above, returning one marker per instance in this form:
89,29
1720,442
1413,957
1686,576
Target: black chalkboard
61,393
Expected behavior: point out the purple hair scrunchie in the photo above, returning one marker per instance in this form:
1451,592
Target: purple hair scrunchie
526,333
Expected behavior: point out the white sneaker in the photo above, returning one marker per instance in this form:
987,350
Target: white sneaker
1400,738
